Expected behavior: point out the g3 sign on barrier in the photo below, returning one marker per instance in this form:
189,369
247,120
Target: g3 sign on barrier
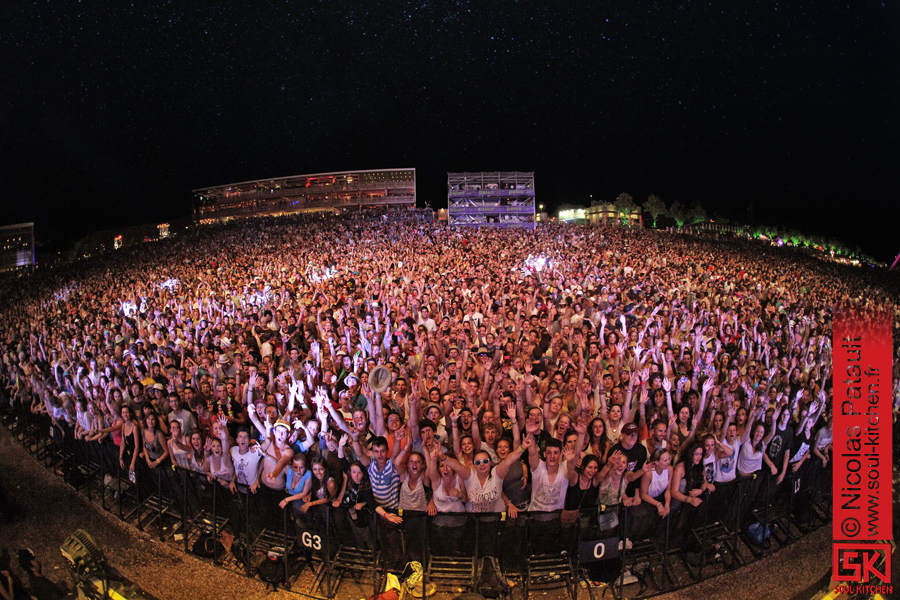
311,540
598,550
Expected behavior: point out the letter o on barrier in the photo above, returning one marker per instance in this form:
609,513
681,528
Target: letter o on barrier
599,550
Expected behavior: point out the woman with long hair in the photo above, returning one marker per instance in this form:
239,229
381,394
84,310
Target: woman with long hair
740,420
131,440
218,465
413,478
584,484
688,482
323,488
563,426
684,419
196,452
357,497
449,492
553,411
687,485
655,490
297,485
597,442
178,445
516,482
612,492
465,446
753,444
155,447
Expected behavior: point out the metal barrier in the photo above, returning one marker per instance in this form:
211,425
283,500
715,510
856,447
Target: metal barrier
603,549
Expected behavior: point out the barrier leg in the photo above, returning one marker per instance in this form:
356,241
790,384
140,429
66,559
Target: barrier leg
215,519
184,531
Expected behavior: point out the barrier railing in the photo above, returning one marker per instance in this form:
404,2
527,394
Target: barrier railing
610,547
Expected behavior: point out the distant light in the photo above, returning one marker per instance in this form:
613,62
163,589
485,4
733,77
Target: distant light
537,263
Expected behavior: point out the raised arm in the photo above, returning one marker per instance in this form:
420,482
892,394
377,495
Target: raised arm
361,452
460,469
251,411
503,468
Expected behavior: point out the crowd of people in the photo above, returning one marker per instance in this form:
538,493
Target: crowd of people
552,371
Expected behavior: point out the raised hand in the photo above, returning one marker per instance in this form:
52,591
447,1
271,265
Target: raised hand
581,425
528,442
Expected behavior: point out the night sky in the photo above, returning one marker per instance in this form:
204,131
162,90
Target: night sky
110,113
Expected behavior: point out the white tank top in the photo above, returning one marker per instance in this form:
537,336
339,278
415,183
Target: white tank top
413,499
448,504
658,483
547,497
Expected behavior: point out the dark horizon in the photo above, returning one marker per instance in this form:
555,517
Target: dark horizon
112,116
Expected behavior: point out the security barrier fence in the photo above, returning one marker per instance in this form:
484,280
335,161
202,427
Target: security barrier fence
626,551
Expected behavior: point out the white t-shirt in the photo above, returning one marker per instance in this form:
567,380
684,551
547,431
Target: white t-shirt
486,497
748,460
725,467
245,465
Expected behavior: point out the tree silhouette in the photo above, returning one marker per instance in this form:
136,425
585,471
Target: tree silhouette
697,214
655,206
678,212
625,205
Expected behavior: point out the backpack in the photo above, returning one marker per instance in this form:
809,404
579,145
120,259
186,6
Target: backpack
271,571
490,582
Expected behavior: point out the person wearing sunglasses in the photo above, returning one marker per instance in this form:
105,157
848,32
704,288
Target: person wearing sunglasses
484,484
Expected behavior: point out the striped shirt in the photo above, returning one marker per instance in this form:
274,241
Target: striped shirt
385,484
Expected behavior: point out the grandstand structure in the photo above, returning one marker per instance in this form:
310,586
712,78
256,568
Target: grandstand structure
334,192
502,199
17,249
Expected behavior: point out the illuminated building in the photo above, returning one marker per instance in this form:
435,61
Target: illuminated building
491,199
17,248
380,188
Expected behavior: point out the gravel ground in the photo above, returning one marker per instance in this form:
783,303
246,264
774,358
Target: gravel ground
786,574
53,511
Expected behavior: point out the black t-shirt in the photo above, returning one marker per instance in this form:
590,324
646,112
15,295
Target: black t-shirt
781,443
233,409
636,457
353,496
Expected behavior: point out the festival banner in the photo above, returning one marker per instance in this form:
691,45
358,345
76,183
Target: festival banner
862,445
